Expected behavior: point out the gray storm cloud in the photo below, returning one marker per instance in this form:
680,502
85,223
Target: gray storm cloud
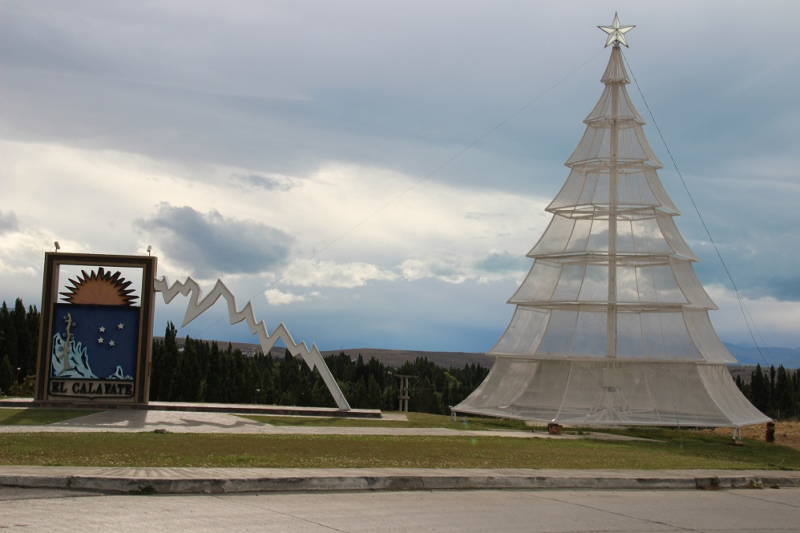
8,222
254,181
209,244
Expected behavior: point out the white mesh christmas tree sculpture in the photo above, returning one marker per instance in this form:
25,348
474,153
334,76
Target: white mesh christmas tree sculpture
611,324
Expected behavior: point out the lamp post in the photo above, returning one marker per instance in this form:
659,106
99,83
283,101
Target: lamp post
255,395
16,377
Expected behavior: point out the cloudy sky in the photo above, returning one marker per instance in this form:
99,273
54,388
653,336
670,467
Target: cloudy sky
373,173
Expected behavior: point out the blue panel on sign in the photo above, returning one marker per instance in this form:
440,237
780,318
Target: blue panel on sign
100,341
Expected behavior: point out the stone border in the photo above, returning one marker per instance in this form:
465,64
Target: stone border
230,481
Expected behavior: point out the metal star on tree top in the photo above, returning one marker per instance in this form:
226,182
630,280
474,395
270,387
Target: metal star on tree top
616,33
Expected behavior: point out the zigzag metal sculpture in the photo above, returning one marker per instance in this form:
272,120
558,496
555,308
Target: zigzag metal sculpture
197,306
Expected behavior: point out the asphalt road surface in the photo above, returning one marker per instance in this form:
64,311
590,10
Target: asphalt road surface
762,510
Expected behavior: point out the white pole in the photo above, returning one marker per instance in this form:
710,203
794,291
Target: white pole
611,334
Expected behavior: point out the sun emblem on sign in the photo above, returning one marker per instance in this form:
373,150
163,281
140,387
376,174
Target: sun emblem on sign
101,288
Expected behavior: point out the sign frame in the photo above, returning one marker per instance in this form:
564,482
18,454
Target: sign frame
53,262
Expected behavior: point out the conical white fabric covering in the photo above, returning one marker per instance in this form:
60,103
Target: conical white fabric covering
611,324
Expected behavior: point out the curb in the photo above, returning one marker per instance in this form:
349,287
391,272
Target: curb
400,482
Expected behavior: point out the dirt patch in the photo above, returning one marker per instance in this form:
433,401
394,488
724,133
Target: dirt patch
787,433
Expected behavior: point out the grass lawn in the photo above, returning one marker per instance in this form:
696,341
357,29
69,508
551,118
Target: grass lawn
39,417
676,449
669,449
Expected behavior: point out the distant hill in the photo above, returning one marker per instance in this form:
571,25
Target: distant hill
396,358
393,358
747,356
458,359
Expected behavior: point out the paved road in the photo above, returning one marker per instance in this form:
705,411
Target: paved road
531,511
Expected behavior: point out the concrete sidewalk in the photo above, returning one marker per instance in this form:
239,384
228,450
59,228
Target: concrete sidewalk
173,421
243,480
119,421
229,408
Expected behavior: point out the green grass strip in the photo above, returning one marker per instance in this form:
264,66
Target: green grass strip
339,451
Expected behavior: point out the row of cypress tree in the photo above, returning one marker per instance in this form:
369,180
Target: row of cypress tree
776,393
199,371
19,340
